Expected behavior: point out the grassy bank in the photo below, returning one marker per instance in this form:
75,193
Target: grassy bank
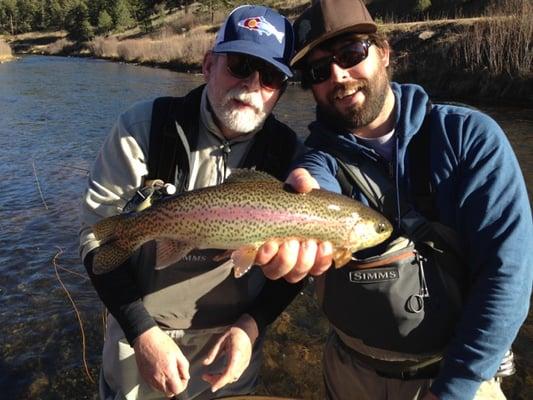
5,51
485,58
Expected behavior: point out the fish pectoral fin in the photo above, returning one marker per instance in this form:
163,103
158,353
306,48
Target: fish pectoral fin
243,259
170,251
109,256
341,256
223,256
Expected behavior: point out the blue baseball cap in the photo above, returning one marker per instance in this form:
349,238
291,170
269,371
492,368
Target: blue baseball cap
260,32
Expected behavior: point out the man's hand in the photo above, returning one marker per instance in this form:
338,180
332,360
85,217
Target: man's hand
430,396
293,260
237,343
161,363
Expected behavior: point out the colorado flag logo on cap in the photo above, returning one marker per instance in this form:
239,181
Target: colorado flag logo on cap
262,26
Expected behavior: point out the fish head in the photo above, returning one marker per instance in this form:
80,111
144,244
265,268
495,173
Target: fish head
369,230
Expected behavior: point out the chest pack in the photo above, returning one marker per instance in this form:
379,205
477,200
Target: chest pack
408,298
174,134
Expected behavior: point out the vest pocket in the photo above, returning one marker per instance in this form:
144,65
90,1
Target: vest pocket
398,301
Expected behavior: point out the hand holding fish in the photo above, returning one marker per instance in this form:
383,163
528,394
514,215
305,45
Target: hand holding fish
161,363
293,260
237,344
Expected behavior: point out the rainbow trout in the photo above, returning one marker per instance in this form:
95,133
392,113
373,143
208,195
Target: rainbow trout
239,215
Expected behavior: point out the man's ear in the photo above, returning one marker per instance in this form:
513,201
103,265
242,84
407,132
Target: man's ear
208,64
385,54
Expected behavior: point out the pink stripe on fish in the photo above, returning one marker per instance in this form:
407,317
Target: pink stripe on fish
245,213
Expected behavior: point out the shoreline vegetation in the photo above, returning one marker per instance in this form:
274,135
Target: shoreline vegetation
487,58
6,54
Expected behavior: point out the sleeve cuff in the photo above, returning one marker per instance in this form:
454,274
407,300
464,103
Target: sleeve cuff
452,385
134,319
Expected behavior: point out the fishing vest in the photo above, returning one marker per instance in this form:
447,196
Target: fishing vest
406,300
197,292
173,136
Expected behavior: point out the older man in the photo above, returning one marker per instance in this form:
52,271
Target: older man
192,329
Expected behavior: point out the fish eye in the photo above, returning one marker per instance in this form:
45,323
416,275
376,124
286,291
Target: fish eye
381,227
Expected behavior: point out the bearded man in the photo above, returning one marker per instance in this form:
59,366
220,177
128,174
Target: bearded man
192,329
430,314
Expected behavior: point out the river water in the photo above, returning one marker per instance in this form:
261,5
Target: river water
54,114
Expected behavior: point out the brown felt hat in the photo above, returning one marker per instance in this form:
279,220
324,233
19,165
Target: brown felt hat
326,19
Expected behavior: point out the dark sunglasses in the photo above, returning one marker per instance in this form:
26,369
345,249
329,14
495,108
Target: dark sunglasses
346,57
242,66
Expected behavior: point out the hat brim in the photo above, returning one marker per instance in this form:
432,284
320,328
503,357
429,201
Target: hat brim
366,27
253,49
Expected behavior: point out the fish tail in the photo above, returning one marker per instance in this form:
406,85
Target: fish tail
104,230
108,257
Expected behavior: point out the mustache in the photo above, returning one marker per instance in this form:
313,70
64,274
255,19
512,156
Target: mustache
344,89
253,100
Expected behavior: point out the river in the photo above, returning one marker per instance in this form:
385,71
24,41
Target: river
54,114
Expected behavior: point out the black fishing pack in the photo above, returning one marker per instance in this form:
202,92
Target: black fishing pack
173,136
408,298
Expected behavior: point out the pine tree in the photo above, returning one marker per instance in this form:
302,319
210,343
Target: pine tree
77,23
105,22
122,15
421,5
55,14
8,15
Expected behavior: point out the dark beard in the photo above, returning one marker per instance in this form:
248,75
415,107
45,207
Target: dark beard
375,91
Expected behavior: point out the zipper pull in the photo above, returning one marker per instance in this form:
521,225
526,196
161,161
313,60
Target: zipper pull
424,291
415,302
226,149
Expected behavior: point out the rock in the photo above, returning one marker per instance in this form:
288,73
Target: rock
426,35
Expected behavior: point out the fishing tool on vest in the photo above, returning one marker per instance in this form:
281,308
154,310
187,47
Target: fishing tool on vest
146,196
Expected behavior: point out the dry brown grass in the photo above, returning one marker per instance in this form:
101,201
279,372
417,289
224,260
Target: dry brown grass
57,47
104,47
503,43
184,49
181,38
5,50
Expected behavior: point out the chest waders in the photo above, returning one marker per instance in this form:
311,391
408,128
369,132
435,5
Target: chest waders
198,283
406,300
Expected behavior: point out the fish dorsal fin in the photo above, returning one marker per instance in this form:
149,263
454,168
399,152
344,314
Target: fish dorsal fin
249,175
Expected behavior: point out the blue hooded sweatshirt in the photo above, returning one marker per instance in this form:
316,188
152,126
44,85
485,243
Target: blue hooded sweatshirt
481,194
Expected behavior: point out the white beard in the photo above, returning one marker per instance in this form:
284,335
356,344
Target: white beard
241,121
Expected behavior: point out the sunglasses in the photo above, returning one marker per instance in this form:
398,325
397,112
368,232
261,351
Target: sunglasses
241,66
346,57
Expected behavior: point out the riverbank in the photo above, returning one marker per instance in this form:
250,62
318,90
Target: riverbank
450,58
5,52
466,58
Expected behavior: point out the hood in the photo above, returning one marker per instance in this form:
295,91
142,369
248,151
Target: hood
411,103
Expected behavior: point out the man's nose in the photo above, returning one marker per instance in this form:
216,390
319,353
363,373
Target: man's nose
253,81
338,74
